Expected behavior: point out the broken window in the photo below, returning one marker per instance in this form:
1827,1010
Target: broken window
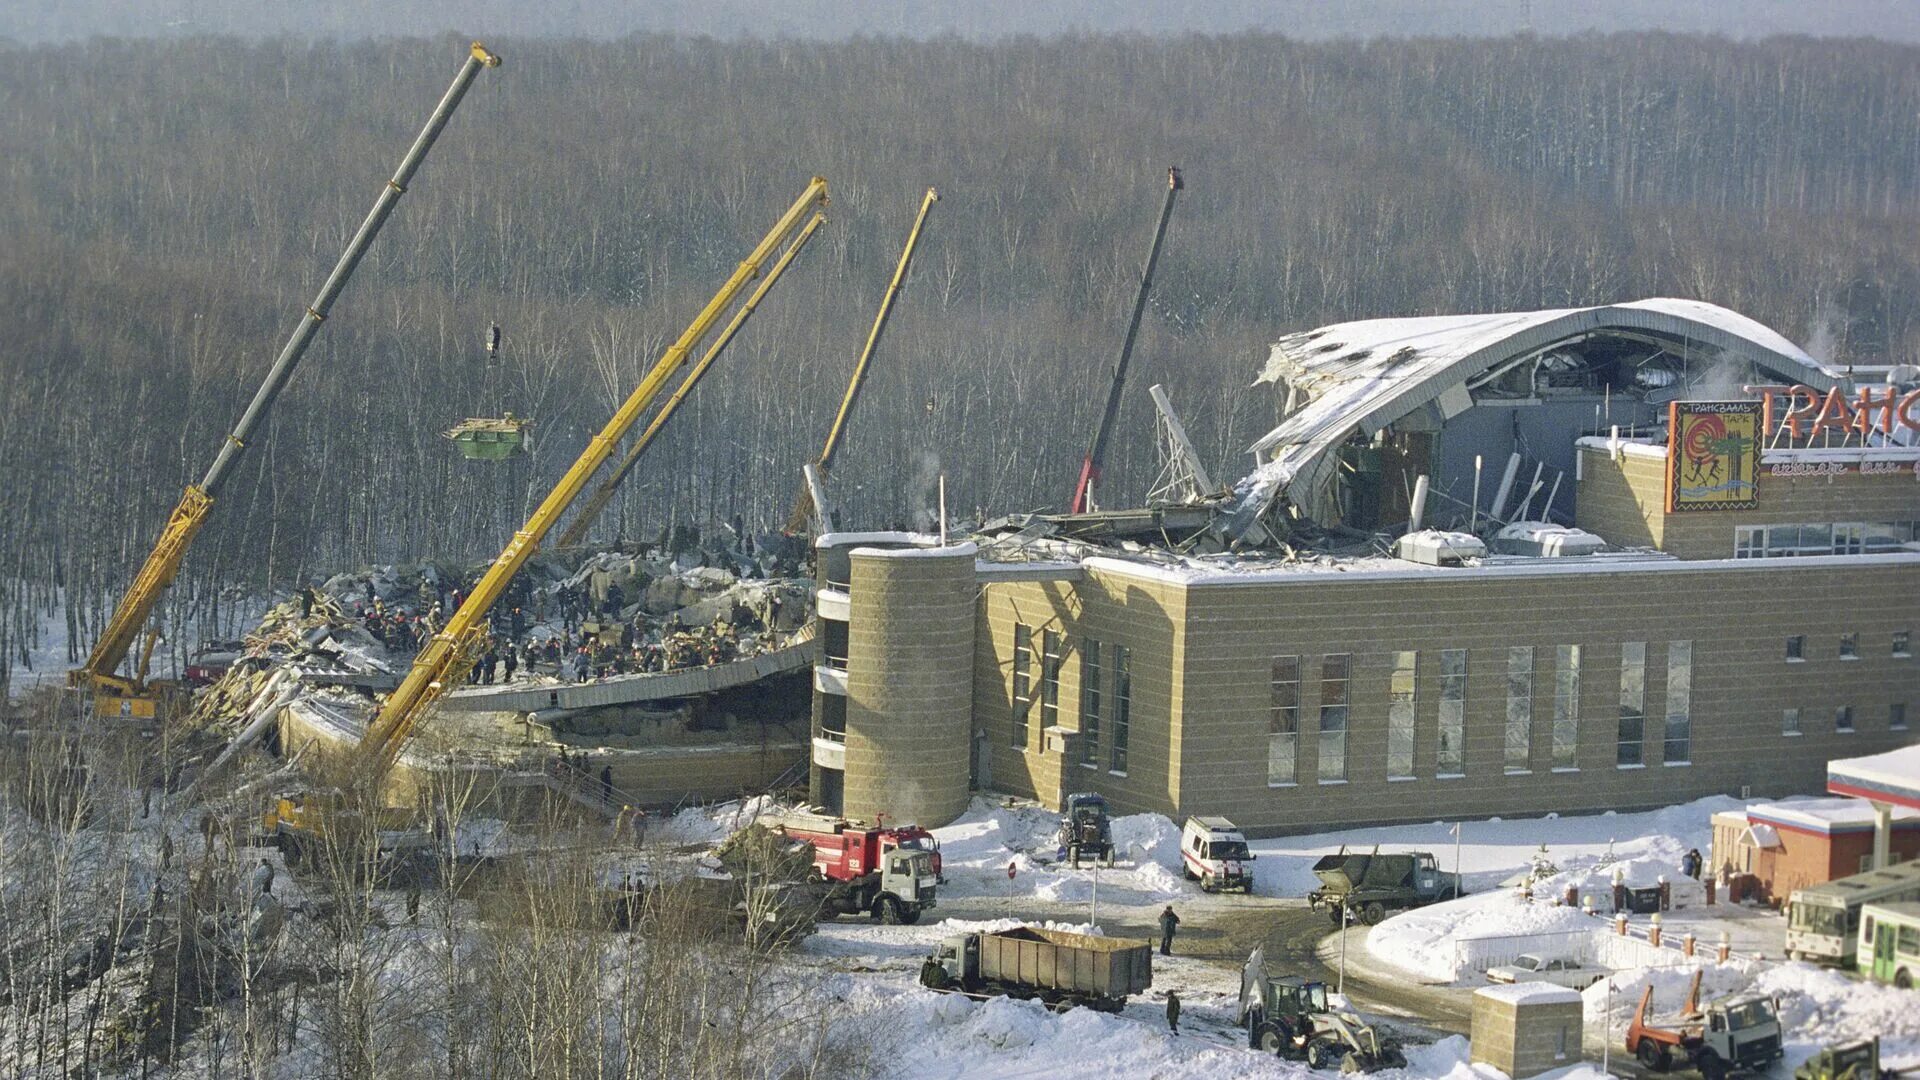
1633,701
1452,759
1022,682
1089,702
1122,705
1519,708
1400,713
1283,721
1336,671
1566,707
1679,740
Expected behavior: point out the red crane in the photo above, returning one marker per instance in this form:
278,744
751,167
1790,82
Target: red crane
1096,450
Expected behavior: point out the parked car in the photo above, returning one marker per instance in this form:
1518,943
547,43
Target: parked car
1532,968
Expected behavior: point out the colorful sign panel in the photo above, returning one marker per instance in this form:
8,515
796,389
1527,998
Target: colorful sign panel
1713,455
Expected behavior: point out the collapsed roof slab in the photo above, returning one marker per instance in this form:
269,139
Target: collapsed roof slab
1363,376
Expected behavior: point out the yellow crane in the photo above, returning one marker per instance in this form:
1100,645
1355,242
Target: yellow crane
112,693
576,531
803,506
445,660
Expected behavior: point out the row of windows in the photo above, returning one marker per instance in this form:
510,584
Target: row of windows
1336,672
1843,716
1093,699
1840,538
1849,647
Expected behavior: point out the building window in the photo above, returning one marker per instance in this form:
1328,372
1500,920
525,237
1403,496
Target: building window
1790,721
1902,643
1797,647
1519,707
1633,702
1049,682
1283,721
1400,712
1679,740
1897,716
1848,539
1090,702
1566,707
1452,757
1122,705
1849,646
1022,682
1843,719
1750,542
1336,670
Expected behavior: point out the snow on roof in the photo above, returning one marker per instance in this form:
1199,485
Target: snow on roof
967,548
1764,836
1890,777
1530,993
1211,572
1823,815
1365,375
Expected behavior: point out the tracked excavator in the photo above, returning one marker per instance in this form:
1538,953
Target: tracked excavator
355,808
107,691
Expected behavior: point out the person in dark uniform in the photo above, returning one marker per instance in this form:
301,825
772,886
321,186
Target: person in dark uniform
1173,1008
1168,922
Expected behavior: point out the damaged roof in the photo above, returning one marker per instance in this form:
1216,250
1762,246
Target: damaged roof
1362,376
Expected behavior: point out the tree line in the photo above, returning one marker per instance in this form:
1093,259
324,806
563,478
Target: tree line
171,211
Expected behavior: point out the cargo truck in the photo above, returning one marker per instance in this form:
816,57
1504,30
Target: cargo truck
1060,968
1366,888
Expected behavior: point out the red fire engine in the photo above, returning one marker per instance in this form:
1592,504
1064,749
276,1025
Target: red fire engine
844,850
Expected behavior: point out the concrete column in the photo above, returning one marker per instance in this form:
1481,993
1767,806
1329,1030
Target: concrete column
1882,833
910,683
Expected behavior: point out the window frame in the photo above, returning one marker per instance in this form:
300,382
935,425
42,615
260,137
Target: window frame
1402,713
1336,691
1451,718
1021,736
1283,721
1090,675
1518,754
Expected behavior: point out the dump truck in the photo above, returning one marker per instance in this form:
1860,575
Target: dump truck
1086,829
1364,888
1289,1016
1060,968
1740,1034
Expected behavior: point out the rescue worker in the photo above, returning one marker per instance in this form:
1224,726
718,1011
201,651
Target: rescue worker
1173,1005
263,878
1168,921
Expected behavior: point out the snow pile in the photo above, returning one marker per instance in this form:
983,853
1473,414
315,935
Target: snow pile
714,823
976,850
1815,999
1424,941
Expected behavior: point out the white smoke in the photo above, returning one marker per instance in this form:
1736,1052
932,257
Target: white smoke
925,491
1823,336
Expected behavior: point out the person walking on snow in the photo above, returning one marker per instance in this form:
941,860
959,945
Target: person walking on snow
1168,921
1173,1009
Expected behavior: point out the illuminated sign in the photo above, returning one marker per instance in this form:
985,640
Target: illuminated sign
1713,455
1807,412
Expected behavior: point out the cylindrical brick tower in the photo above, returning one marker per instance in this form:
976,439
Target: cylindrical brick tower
909,684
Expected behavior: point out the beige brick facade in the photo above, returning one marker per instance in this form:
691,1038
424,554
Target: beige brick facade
1201,666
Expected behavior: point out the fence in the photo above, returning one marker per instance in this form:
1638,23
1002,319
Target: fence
1481,953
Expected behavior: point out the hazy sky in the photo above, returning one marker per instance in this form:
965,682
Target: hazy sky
39,21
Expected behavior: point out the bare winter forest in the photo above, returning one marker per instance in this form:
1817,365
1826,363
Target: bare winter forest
168,211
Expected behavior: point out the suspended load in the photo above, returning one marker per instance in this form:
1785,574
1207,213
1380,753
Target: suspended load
490,438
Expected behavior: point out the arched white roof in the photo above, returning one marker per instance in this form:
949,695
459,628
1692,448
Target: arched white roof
1362,376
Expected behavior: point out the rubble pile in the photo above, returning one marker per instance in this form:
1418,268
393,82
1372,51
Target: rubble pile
612,613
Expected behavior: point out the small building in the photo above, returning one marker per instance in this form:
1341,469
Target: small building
1525,1029
1780,847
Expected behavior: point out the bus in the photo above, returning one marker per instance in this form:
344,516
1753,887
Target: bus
1889,946
1823,921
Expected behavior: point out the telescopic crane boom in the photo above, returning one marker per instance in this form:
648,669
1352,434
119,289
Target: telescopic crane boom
447,657
131,696
1097,449
803,505
576,532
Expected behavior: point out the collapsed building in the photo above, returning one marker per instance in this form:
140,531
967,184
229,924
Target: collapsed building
1583,559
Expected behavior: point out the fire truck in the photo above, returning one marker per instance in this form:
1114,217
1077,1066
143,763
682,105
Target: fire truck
844,850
